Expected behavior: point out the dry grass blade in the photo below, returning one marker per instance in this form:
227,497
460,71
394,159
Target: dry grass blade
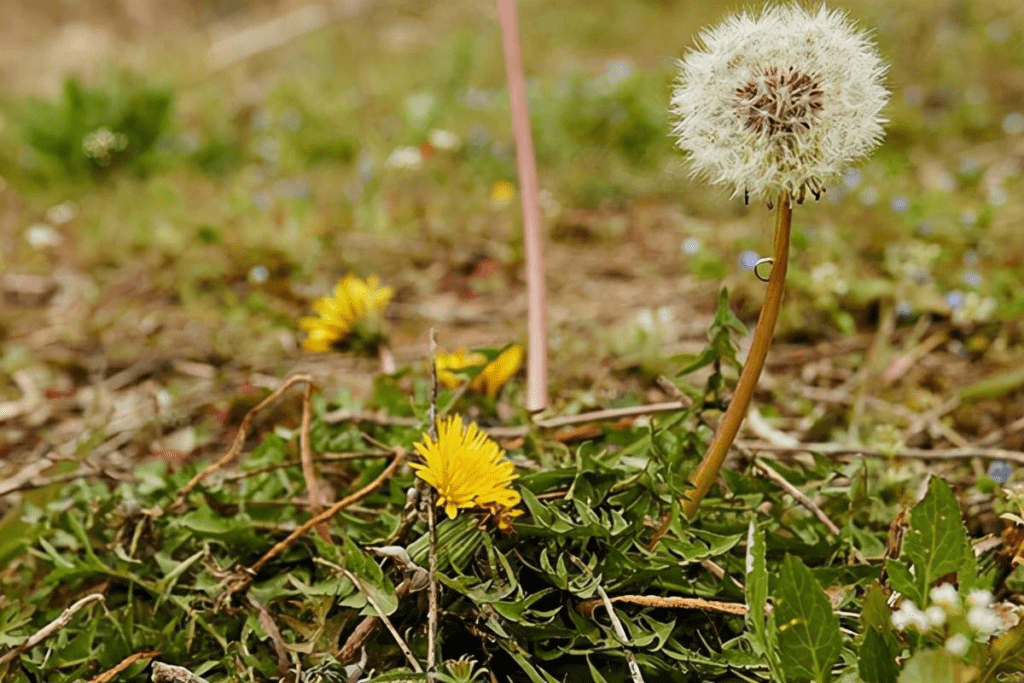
798,495
112,673
308,473
587,608
914,453
53,627
387,622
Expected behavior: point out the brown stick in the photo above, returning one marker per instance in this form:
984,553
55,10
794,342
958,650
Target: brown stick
236,445
308,473
729,426
526,166
330,512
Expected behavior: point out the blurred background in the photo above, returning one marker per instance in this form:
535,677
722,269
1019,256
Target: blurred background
179,179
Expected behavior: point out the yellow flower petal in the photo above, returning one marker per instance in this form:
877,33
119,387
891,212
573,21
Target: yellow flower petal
499,371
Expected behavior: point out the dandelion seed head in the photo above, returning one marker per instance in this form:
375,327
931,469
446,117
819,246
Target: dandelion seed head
779,103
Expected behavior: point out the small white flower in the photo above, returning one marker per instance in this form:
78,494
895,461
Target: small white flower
984,620
935,615
405,157
442,139
957,645
779,103
910,614
946,596
979,597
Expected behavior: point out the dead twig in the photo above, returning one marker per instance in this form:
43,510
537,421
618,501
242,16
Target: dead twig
387,622
239,442
798,495
432,591
306,457
330,512
587,607
53,627
110,674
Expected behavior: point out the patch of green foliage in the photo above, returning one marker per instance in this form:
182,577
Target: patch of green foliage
526,606
91,130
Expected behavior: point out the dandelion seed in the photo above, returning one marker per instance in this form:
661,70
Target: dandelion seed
354,301
779,103
466,468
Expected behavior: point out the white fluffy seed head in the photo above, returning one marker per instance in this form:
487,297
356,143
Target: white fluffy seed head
779,103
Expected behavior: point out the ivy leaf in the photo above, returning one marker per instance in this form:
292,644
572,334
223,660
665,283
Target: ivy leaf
809,639
936,538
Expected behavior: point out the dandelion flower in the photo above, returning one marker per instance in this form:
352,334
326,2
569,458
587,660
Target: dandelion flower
450,365
490,379
779,103
354,301
499,371
502,194
466,468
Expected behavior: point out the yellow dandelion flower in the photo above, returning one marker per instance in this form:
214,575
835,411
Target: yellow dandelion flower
499,371
353,301
502,194
466,468
450,365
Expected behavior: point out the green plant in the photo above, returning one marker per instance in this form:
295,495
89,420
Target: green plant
94,130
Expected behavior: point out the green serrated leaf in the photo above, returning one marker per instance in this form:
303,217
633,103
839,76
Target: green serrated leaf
936,538
875,661
756,587
809,639
903,581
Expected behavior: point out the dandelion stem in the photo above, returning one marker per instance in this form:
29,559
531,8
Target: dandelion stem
708,469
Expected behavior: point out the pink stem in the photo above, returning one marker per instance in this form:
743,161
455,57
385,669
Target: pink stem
526,164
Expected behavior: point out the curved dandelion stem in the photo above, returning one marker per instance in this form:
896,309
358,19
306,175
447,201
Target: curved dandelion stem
708,469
